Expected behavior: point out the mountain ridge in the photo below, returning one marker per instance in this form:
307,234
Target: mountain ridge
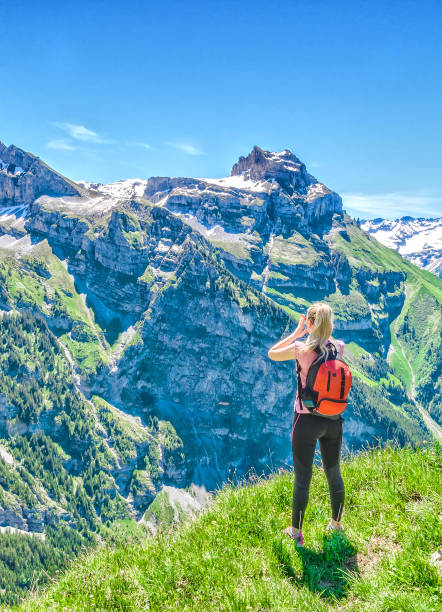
417,239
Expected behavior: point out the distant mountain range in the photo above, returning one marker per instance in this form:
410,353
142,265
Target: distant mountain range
417,239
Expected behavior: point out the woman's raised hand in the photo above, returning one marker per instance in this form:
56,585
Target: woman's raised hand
300,330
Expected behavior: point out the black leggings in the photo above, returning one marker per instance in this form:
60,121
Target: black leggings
307,429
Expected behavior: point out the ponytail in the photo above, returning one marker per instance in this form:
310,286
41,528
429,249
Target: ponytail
321,317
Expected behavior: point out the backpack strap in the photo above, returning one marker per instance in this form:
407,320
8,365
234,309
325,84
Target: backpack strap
301,404
342,382
332,350
298,372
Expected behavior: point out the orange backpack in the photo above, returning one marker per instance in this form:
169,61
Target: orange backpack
328,383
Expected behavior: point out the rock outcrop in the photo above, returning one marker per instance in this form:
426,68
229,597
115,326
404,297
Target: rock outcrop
284,168
24,177
154,271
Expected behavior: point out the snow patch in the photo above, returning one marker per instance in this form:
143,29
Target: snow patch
239,182
18,245
9,529
6,456
87,206
126,188
215,233
419,240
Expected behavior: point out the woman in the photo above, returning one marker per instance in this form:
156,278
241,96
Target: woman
310,427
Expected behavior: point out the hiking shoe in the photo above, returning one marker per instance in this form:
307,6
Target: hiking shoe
334,526
295,535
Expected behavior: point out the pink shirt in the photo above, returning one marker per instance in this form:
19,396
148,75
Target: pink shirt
305,361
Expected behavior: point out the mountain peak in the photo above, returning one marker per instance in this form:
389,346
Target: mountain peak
24,177
283,167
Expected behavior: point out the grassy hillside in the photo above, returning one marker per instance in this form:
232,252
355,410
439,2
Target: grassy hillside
417,334
234,557
414,354
39,282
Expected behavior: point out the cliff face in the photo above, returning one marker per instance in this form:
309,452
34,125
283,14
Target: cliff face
201,362
165,306
65,458
193,321
24,177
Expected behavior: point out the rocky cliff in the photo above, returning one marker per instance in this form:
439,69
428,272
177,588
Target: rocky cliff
24,177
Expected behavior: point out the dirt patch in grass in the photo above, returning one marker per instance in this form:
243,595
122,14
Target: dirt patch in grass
378,547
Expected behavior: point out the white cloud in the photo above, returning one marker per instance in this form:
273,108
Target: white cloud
186,148
143,145
82,133
60,145
391,205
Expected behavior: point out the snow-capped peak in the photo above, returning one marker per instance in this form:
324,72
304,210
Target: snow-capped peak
126,188
419,240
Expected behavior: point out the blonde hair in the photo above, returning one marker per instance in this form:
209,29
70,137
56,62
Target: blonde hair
321,317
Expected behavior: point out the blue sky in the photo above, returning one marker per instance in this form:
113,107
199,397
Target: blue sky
109,90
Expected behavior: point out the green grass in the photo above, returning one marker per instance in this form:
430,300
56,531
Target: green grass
54,295
24,287
292,251
148,276
89,356
160,510
397,359
358,374
135,238
422,307
293,306
351,307
357,350
239,248
126,431
234,556
364,251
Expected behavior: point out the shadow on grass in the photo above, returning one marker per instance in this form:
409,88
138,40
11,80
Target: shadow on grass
326,573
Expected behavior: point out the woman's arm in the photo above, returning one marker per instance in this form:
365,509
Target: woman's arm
284,349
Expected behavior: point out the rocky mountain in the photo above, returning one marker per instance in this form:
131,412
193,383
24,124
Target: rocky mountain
419,240
23,177
136,322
